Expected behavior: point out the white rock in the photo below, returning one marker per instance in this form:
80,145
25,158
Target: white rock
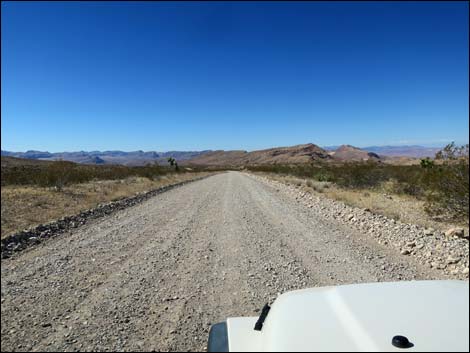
457,232
452,260
411,244
429,231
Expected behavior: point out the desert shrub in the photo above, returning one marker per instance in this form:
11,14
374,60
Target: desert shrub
393,186
448,184
60,173
323,176
359,175
427,163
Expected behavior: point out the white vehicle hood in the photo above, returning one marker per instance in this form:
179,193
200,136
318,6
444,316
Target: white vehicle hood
433,315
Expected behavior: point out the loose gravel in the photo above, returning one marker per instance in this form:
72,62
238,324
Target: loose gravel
447,251
155,276
24,239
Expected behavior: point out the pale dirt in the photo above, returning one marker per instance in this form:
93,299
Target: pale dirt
26,206
156,275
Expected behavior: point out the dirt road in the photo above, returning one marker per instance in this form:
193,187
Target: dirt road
156,275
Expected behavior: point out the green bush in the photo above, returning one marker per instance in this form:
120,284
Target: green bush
448,184
322,176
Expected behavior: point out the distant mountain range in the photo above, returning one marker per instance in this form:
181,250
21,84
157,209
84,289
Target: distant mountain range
412,151
404,151
108,157
279,155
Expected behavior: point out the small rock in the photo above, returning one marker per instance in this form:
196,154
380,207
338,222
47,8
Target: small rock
465,271
411,244
405,252
452,260
429,231
438,265
457,232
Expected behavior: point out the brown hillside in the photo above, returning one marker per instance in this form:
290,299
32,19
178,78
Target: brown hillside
280,155
353,154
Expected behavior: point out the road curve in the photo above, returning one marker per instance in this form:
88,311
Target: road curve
156,275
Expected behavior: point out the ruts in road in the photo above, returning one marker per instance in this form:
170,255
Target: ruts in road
155,276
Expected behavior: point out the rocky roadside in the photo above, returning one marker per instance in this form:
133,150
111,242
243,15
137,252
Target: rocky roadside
447,252
26,238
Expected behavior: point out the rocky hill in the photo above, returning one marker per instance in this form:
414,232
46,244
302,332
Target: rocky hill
353,154
280,155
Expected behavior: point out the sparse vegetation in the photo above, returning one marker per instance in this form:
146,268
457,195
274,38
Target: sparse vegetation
35,192
443,183
448,183
24,206
61,173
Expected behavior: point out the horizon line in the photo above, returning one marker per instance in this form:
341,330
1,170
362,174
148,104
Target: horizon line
248,150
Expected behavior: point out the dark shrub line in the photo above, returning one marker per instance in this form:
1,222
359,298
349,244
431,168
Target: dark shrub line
61,173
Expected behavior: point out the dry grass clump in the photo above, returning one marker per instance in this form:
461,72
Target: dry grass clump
318,186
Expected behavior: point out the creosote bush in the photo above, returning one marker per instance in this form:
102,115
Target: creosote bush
448,183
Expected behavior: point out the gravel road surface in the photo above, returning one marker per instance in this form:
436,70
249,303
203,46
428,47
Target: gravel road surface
155,276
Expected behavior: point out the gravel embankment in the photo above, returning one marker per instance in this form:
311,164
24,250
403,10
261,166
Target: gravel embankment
26,238
155,276
435,249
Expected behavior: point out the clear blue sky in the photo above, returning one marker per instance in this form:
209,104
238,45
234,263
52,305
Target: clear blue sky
193,76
